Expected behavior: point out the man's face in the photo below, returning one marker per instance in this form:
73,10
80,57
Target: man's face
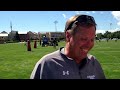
82,41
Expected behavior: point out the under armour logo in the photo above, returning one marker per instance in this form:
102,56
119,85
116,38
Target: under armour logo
91,77
65,72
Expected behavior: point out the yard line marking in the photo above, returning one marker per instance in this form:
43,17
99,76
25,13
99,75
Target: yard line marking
109,51
115,58
111,63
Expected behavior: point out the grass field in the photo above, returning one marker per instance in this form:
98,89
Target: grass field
17,63
108,54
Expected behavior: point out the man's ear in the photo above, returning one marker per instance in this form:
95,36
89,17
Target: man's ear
68,36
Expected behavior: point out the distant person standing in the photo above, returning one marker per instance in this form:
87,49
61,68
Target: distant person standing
54,42
35,44
45,41
40,42
72,61
28,45
116,39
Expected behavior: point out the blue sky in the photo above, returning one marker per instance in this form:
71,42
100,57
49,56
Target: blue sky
43,21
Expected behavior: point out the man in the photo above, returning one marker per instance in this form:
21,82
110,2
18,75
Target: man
54,43
72,61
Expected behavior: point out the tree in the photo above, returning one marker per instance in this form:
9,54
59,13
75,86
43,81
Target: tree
100,36
107,34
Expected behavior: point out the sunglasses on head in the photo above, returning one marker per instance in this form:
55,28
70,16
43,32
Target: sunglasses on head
85,19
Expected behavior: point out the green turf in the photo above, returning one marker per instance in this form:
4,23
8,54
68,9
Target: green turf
108,54
17,63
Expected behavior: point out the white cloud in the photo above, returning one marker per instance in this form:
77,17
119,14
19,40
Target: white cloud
22,32
87,12
93,11
82,11
118,23
117,29
103,31
77,12
64,16
116,15
100,31
101,12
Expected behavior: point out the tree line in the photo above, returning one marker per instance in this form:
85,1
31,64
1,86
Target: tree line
108,35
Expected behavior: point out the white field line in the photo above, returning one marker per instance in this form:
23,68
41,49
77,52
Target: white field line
109,51
111,63
115,58
98,46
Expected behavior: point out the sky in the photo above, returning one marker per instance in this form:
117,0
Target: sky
44,21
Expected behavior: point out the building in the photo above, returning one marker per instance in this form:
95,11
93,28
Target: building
3,37
55,35
12,35
33,35
23,36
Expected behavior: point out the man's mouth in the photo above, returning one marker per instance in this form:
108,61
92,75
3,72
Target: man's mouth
85,50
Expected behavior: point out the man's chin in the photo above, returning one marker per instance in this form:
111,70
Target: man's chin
85,50
84,54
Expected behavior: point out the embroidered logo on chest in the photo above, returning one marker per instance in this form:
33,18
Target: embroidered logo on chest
65,72
91,77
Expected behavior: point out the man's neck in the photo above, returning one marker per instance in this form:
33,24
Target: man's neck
70,55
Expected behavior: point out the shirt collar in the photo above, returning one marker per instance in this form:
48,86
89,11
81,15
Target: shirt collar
63,52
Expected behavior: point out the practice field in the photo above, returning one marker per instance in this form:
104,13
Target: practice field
17,63
108,54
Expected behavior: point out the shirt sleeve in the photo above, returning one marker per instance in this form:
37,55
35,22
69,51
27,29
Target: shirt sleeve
36,72
41,70
99,70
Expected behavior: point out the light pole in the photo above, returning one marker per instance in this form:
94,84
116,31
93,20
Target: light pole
11,25
11,36
55,25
